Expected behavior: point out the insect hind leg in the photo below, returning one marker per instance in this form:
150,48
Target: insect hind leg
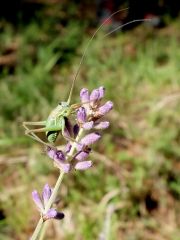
31,134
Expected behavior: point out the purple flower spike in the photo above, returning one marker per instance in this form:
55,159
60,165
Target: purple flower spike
83,165
84,95
88,125
90,139
101,92
105,108
51,213
37,200
102,125
46,194
81,115
94,95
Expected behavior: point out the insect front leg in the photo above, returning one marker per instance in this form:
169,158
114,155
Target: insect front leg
40,123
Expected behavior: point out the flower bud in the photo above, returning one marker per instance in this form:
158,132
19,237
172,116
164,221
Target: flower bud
102,125
81,115
88,125
46,194
51,213
90,139
101,92
83,155
83,165
36,198
94,96
84,95
105,108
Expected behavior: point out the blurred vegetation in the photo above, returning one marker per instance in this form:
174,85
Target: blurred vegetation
136,165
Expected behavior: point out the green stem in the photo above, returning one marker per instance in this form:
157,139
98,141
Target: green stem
37,229
55,191
52,199
43,231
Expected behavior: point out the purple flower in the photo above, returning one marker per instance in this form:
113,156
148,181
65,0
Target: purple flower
94,95
59,159
81,155
41,203
105,108
102,125
51,152
65,167
90,139
59,156
47,191
83,165
37,199
88,125
81,115
101,92
51,213
84,95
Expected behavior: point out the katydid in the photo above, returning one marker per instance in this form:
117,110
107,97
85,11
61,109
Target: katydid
55,122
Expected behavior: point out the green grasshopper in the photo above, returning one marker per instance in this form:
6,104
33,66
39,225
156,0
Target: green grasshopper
56,121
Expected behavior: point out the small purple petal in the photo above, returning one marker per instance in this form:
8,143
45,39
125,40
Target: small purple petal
65,167
79,146
90,138
88,125
51,213
84,95
83,165
46,194
81,115
105,108
68,147
82,155
101,92
102,125
94,95
59,156
51,152
37,200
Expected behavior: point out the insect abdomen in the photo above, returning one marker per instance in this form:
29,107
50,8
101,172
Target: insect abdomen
52,136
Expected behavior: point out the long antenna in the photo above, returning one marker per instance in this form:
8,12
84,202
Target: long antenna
90,40
125,24
84,53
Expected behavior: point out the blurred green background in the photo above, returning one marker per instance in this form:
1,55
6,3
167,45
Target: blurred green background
136,172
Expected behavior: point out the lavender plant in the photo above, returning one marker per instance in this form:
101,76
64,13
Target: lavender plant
82,135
